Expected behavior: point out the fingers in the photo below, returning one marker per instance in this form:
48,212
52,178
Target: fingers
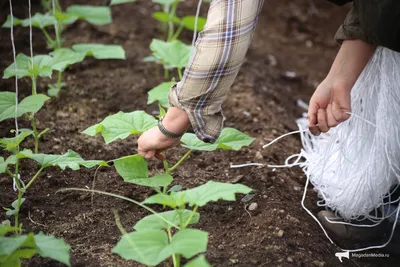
332,121
312,118
322,120
340,113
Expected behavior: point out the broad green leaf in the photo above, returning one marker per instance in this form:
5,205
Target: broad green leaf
230,139
165,2
189,242
118,2
156,223
68,160
165,17
100,51
51,247
64,57
151,247
201,195
189,22
29,104
5,229
160,94
12,249
7,23
40,21
133,169
65,18
150,59
122,125
190,140
98,15
213,191
175,54
200,261
40,68
11,160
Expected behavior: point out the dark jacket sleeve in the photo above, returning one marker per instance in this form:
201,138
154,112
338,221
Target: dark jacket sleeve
340,2
351,29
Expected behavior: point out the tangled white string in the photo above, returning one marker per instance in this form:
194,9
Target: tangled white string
195,22
355,166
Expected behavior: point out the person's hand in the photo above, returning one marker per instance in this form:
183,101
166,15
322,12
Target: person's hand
329,106
153,142
331,103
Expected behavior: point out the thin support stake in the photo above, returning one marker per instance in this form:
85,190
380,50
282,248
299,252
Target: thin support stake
15,69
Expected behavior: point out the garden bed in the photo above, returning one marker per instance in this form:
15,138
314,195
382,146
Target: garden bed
291,36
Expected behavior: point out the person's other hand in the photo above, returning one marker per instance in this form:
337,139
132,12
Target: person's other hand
331,101
329,106
153,142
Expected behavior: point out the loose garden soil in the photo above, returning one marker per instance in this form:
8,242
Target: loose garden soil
294,36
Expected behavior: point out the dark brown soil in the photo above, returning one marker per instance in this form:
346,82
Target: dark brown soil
298,34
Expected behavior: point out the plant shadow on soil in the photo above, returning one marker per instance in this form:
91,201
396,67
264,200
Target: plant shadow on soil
291,36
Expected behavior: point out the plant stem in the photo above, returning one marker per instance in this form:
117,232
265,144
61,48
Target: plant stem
17,208
170,22
181,160
33,179
166,73
35,133
180,73
34,92
48,37
190,217
178,32
175,259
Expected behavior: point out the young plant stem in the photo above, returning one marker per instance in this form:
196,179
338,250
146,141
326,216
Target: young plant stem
33,179
183,226
175,258
166,74
178,32
36,135
33,78
180,73
170,22
123,198
180,161
59,80
17,208
48,37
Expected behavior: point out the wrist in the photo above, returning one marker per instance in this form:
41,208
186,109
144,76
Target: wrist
176,121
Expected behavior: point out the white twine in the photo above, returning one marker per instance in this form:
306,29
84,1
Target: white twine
195,22
15,69
355,166
56,22
30,32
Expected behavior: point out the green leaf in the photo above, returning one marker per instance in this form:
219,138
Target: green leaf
200,261
40,21
175,54
160,94
98,15
189,22
133,169
5,229
64,57
154,222
100,51
11,160
29,104
24,67
230,139
118,2
7,23
15,209
68,160
122,125
151,247
165,2
201,195
51,247
165,17
12,249
190,140
65,18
